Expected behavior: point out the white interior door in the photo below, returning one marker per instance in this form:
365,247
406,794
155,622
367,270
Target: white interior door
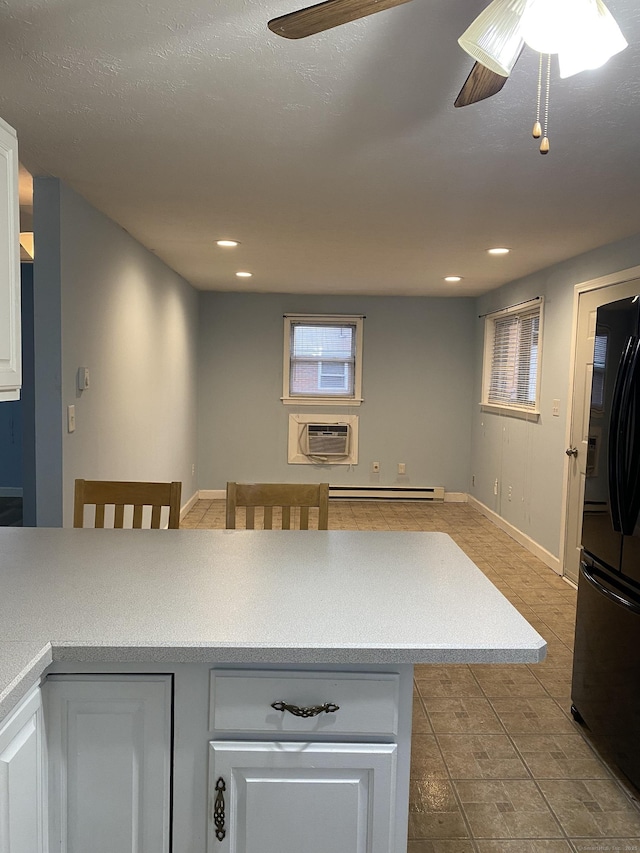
588,304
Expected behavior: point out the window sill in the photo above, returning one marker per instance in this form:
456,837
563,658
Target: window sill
321,401
511,411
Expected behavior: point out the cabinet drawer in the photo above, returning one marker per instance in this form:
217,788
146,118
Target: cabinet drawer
241,701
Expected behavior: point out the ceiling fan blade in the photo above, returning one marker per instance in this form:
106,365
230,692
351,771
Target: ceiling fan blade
480,84
324,16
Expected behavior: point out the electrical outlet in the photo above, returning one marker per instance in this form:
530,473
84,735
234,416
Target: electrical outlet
402,468
375,467
556,409
495,486
71,418
193,468
510,493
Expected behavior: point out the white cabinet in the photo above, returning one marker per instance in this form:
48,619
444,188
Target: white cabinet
109,744
22,779
314,797
10,354
307,760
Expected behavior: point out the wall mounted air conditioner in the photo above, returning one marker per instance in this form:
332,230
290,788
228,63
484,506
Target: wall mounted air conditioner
326,439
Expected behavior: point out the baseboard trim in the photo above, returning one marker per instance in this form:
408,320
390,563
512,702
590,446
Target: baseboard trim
521,538
220,494
212,494
195,497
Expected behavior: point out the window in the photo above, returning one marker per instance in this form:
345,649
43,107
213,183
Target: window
512,358
322,359
599,368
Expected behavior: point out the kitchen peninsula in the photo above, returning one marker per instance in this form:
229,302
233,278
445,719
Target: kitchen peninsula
261,681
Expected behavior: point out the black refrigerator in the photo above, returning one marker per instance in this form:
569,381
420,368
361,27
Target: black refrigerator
606,668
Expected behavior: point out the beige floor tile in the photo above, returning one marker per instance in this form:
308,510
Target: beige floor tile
532,716
559,757
598,845
441,846
592,808
426,759
481,757
462,716
447,681
506,809
506,681
434,811
548,845
420,722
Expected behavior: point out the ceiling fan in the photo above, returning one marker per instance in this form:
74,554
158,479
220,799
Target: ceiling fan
481,83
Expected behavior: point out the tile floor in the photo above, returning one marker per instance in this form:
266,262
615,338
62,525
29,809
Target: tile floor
498,764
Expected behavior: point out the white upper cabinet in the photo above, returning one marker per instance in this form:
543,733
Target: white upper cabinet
10,355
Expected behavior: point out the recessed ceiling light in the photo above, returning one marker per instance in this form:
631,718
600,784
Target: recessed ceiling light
453,278
244,274
499,250
227,243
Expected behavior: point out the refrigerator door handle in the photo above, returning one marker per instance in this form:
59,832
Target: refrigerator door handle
615,462
588,573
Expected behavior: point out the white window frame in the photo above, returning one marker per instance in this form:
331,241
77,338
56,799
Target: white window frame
512,409
317,320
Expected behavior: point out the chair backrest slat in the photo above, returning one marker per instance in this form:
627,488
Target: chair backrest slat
121,494
285,496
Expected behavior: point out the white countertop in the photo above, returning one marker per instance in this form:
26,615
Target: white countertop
246,596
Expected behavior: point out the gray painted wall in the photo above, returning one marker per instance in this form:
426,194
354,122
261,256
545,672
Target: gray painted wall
530,456
417,383
133,322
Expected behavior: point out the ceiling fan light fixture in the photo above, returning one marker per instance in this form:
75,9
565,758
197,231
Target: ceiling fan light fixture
494,39
550,26
598,38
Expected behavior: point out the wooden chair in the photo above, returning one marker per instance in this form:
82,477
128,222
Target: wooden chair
102,493
268,495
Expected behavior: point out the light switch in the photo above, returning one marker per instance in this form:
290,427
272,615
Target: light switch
83,378
71,418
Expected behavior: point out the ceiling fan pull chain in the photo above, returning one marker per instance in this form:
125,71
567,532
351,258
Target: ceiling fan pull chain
537,128
544,143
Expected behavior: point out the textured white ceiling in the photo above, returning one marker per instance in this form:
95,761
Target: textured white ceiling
338,161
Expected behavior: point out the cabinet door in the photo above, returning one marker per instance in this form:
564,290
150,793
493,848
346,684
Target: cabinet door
314,797
21,779
10,355
109,743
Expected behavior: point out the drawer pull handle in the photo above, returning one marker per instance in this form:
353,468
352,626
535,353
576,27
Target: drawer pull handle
218,809
313,711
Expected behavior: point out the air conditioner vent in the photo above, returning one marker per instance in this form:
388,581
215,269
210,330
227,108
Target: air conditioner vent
326,439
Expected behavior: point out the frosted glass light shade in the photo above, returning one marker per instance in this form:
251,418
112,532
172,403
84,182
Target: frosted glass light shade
494,38
598,38
549,25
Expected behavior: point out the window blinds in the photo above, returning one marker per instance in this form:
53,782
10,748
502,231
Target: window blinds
322,359
514,363
599,367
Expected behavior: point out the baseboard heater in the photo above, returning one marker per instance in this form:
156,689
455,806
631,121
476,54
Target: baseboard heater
388,493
